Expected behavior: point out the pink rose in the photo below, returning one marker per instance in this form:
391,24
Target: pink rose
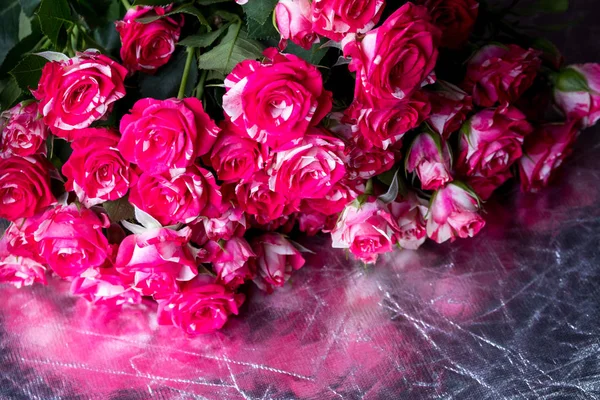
336,199
235,157
336,18
309,170
157,259
429,157
145,47
105,287
392,61
160,135
178,195
78,91
367,230
449,107
96,171
485,186
277,100
275,259
230,261
257,199
24,187
544,152
17,270
19,238
22,132
501,73
313,222
455,18
71,239
577,92
454,212
203,306
225,226
365,164
409,214
293,18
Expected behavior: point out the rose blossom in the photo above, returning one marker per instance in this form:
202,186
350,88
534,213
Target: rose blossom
277,100
455,18
145,47
577,92
18,270
429,157
449,107
22,131
225,226
275,259
157,259
336,18
293,18
24,186
105,287
257,199
19,238
409,214
178,195
96,171
336,199
393,60
71,239
75,92
544,152
485,186
203,306
160,135
365,164
454,212
501,73
230,261
313,222
367,230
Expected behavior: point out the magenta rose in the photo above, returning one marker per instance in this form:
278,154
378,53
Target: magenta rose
230,261
501,73
392,61
367,230
455,18
203,306
409,214
336,18
454,212
257,199
18,270
96,171
106,287
145,47
230,223
22,131
449,107
77,91
19,238
313,222
178,195
160,135
485,186
429,157
336,199
293,18
365,164
156,260
71,240
277,100
544,152
577,92
24,186
275,260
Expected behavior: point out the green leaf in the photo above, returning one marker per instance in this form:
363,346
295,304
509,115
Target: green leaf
27,73
165,83
119,210
259,10
396,187
210,2
553,6
152,2
55,17
9,27
9,93
234,48
570,80
313,56
185,8
15,55
29,6
203,39
261,31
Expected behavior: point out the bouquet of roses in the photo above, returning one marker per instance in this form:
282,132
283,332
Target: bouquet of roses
172,151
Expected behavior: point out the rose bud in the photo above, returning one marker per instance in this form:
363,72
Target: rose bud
392,61
75,92
22,131
409,214
501,73
455,18
145,47
159,135
485,186
156,260
577,92
231,223
257,199
17,270
449,107
230,261
293,18
71,240
96,171
24,187
275,259
544,152
454,212
334,18
367,230
203,306
178,195
277,100
365,164
429,157
106,287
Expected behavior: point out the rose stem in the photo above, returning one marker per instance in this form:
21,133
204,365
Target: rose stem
126,4
186,72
